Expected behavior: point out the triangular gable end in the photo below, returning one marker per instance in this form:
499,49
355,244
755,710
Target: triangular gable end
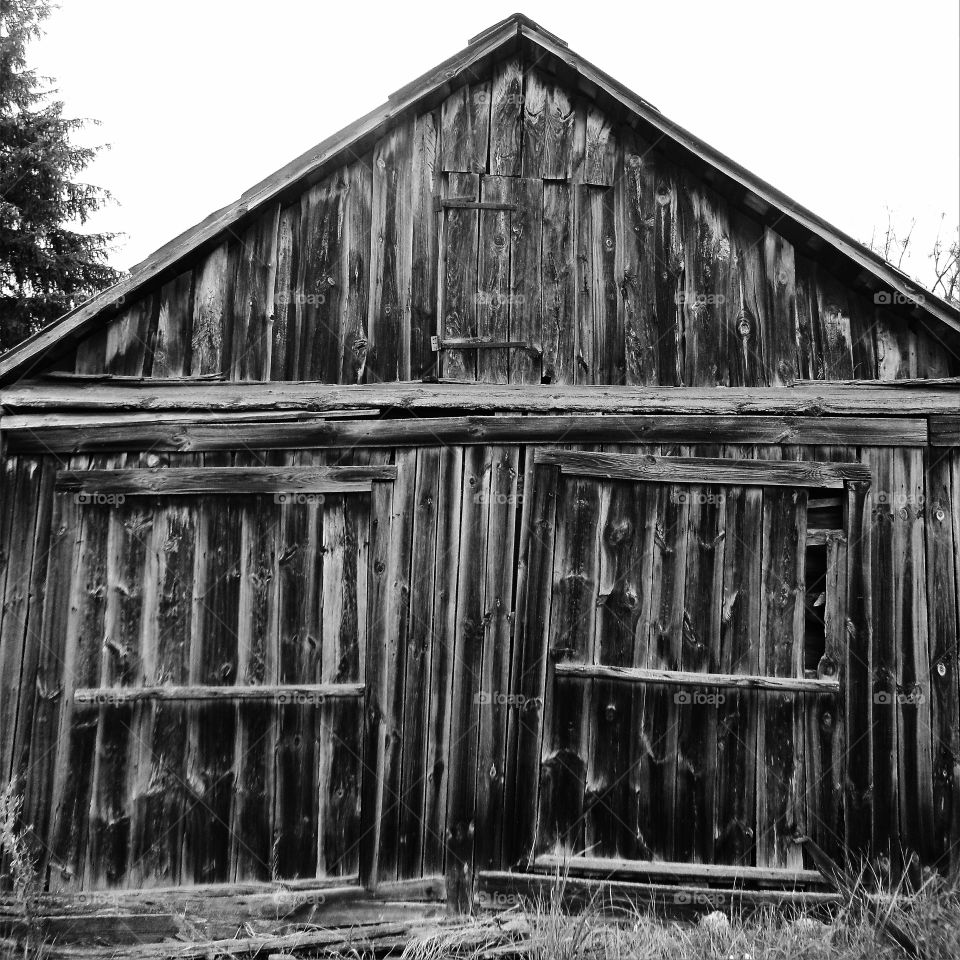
809,242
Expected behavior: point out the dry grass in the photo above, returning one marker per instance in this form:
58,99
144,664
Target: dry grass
546,931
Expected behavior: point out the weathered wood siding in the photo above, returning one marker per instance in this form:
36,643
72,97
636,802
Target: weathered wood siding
613,265
449,557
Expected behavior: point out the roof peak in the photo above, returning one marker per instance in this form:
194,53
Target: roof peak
522,20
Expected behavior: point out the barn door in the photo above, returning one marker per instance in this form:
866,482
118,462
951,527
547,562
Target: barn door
489,272
693,618
209,636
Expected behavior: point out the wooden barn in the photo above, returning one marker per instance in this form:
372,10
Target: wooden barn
510,481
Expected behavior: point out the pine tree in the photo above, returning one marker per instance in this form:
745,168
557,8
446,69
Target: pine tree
46,265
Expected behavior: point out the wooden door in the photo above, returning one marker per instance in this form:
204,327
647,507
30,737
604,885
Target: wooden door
209,638
490,248
691,616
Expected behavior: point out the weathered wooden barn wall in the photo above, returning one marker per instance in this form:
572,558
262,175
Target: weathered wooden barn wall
433,569
614,266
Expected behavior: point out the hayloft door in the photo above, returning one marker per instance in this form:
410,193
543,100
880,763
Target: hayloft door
690,616
490,240
208,634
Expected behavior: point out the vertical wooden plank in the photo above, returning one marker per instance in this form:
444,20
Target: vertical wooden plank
465,126
44,768
809,340
739,653
459,304
863,335
465,697
600,149
320,281
444,609
92,353
423,638
834,318
635,267
27,507
558,337
426,178
531,642
212,297
941,546
253,294
534,123
120,665
494,289
160,798
377,678
566,797
617,749
698,716
506,102
355,269
253,761
526,230
82,652
345,537
392,626
749,323
779,748
668,573
825,737
558,135
285,334
213,660
131,336
668,257
859,798
706,280
299,605
600,342
495,672
883,730
912,691
780,336
388,327
171,355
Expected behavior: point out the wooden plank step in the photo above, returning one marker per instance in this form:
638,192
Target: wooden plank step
614,868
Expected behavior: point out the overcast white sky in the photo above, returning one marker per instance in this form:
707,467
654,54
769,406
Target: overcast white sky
849,106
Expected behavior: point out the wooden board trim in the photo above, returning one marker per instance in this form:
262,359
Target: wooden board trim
610,868
42,433
869,402
697,470
612,893
179,481
686,678
309,693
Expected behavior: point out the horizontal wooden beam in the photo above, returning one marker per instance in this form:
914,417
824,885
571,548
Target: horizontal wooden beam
704,470
276,693
683,678
945,430
818,536
610,868
269,430
480,397
503,887
175,481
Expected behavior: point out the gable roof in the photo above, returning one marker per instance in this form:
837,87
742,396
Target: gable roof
810,234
